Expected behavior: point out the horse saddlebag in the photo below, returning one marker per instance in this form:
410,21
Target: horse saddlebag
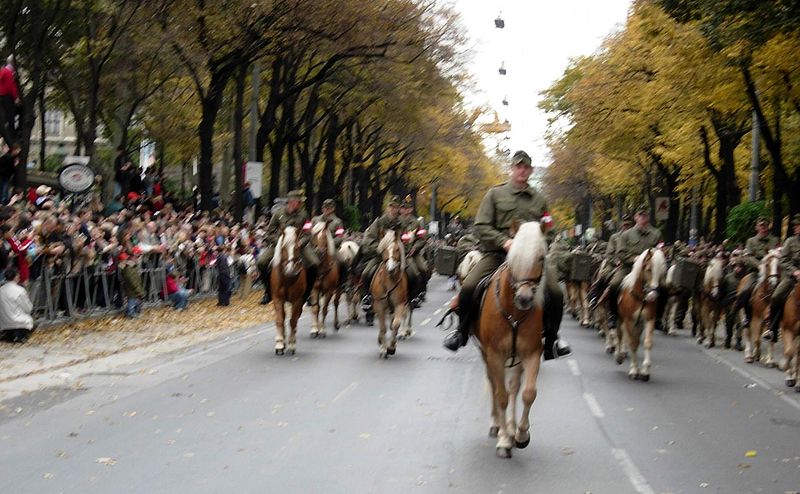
686,274
580,267
446,260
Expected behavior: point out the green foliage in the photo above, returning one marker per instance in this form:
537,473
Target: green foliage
742,219
352,218
53,162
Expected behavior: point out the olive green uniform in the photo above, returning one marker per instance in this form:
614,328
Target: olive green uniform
737,269
628,247
334,224
757,247
369,246
790,262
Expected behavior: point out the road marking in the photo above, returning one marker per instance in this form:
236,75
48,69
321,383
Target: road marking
446,304
573,367
752,377
346,390
593,405
634,475
426,321
437,312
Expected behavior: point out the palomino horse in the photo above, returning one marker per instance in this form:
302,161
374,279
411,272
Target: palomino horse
712,301
638,298
347,255
790,324
327,287
288,284
390,290
509,329
769,275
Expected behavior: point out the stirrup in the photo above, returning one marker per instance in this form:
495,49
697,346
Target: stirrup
366,303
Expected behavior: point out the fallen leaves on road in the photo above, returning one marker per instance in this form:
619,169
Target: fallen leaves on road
751,454
106,461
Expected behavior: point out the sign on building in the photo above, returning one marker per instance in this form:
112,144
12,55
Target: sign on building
662,208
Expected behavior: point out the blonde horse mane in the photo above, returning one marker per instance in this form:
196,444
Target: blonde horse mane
348,251
316,229
715,271
528,247
658,268
288,238
763,268
388,239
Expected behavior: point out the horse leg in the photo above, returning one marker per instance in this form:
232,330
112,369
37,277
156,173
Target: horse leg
297,309
514,384
495,365
397,320
531,368
323,301
632,332
748,341
380,309
649,328
280,330
337,294
620,340
789,351
315,312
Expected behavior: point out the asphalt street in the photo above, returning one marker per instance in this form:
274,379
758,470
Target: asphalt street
233,416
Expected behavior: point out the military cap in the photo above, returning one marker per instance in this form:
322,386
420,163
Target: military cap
626,218
328,203
296,194
796,220
643,209
393,200
407,202
762,219
521,157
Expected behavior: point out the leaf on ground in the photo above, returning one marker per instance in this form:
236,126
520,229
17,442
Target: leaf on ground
106,461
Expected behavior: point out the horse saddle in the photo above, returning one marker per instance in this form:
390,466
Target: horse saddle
480,289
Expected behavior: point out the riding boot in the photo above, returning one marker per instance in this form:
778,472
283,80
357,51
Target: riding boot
553,312
612,308
661,307
311,278
265,276
460,336
775,314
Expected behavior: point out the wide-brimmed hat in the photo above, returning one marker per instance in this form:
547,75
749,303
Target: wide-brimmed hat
43,190
328,203
296,194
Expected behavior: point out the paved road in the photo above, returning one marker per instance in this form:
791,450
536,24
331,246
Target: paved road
335,418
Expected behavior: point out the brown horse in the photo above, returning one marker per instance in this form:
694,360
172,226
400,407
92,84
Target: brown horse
769,275
712,302
327,286
509,330
389,290
790,324
288,284
638,298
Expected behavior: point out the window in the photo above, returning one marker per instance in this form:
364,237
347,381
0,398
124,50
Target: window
53,123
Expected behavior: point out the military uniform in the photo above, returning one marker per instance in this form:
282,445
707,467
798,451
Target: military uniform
415,239
500,207
335,224
372,238
279,221
737,269
790,262
757,247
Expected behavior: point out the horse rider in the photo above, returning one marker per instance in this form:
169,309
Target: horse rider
416,240
335,224
368,256
455,228
790,258
502,205
738,267
293,214
629,246
604,276
757,247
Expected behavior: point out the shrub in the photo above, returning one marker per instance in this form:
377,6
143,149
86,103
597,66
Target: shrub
742,220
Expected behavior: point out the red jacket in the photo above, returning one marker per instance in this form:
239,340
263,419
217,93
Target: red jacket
21,250
172,285
8,85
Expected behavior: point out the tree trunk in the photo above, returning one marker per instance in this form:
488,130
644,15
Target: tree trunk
238,159
327,186
210,105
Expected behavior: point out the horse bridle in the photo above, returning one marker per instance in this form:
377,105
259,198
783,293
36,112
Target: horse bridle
513,322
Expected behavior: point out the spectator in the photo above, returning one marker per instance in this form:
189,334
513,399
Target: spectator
16,321
131,284
9,101
8,169
223,278
178,295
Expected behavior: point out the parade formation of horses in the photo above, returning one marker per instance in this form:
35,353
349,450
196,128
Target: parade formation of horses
327,286
288,284
712,306
790,329
769,275
638,297
389,291
509,331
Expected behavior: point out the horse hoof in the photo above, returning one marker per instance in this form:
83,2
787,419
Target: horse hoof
710,344
323,335
609,350
312,335
279,351
383,354
292,351
391,351
504,452
771,365
522,444
644,377
633,377
790,383
494,431
336,326
699,341
748,360
401,337
619,359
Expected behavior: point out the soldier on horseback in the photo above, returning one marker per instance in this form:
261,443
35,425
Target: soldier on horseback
500,207
604,276
335,225
790,258
627,248
368,258
293,214
737,269
757,247
416,240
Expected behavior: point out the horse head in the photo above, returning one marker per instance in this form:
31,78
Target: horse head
393,252
713,277
649,269
526,264
287,254
769,270
322,241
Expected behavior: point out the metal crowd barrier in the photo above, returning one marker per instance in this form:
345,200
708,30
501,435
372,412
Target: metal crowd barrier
60,297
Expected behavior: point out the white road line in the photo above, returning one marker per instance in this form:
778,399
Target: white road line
752,377
426,321
437,312
446,304
634,475
346,390
593,405
573,367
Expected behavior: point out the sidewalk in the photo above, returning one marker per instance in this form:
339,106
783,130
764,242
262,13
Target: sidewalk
60,347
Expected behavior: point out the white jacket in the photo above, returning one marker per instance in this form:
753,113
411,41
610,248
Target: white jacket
15,307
